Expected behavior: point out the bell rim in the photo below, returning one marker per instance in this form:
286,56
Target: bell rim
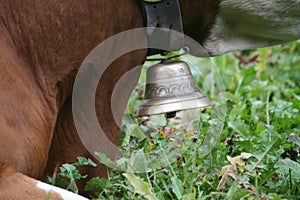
151,107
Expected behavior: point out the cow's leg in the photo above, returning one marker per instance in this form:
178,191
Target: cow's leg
66,145
26,123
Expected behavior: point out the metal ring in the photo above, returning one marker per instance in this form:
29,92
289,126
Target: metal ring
185,49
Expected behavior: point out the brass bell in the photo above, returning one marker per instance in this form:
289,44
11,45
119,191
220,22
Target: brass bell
170,87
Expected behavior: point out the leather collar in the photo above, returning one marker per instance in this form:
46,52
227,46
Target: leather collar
163,14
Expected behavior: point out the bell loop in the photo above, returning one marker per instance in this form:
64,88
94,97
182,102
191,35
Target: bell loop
185,49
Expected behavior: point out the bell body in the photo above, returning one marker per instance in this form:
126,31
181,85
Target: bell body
170,87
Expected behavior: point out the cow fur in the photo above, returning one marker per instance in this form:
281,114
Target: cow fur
244,24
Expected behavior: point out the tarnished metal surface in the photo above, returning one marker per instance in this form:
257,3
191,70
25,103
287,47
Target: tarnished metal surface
170,87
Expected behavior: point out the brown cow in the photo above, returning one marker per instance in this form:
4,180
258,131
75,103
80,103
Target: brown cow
43,43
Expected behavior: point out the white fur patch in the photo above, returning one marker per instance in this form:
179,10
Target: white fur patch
244,24
66,195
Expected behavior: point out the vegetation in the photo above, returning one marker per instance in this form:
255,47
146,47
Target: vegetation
246,146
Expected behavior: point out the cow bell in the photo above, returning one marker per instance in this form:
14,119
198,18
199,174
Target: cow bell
170,87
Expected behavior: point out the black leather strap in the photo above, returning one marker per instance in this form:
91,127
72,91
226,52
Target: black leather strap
164,14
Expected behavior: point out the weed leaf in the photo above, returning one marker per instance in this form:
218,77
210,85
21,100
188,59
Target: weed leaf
289,164
140,186
177,187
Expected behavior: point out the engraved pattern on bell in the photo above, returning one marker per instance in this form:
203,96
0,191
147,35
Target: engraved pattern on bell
154,90
170,87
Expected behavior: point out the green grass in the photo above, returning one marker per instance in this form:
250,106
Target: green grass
254,156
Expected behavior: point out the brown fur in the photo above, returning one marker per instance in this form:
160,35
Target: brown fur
43,44
199,17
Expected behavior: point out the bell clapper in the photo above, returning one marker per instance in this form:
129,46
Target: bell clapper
169,115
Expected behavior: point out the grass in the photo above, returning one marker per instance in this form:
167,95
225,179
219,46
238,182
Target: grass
246,146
